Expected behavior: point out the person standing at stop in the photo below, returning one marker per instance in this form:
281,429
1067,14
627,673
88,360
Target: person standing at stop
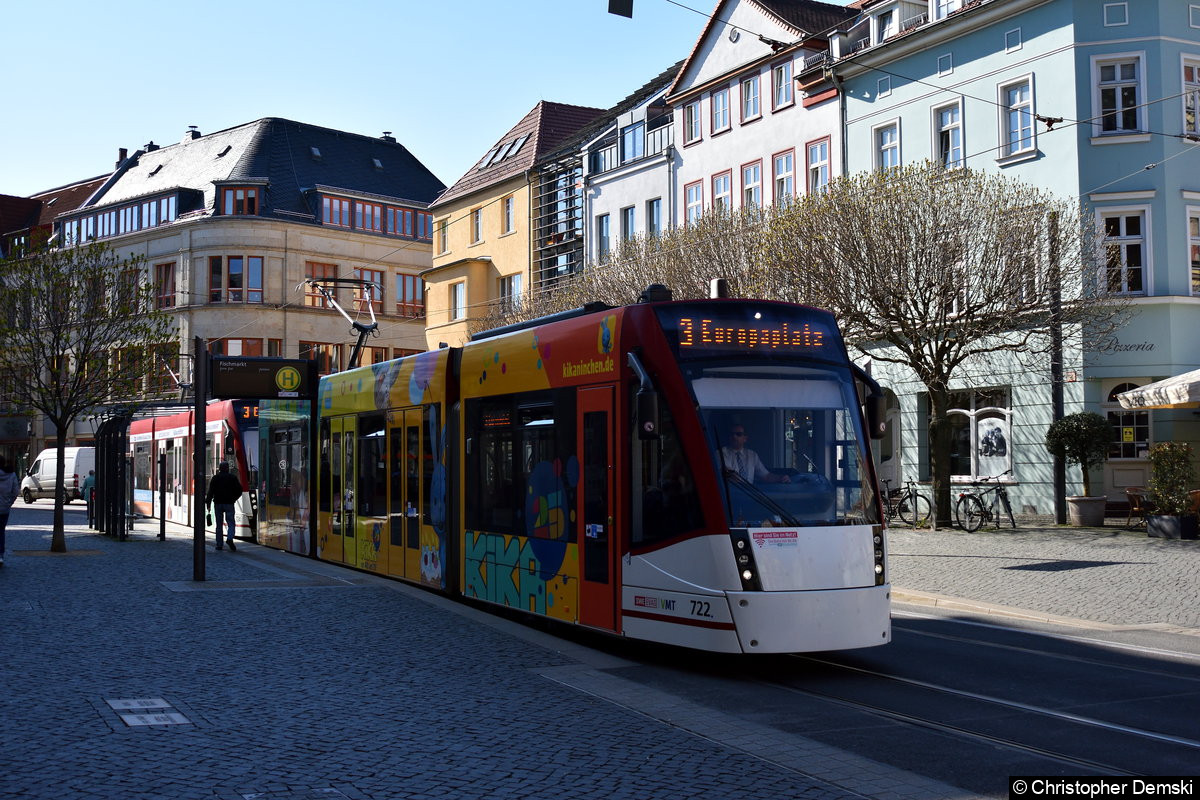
223,491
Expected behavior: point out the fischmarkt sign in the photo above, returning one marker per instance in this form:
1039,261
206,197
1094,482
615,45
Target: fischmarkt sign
261,378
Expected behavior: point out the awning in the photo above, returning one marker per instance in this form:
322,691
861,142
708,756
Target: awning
1182,391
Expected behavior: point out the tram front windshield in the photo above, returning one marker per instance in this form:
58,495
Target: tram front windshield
787,443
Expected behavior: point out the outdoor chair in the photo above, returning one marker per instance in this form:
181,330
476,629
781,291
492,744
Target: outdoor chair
1139,505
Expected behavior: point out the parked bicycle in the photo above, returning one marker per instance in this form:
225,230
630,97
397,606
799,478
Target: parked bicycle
986,503
911,506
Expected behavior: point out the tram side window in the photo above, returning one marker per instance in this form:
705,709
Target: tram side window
372,466
670,504
141,466
326,468
523,446
430,420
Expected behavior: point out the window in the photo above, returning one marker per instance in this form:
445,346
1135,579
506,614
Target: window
369,217
1018,135
424,226
752,184
327,356
164,285
654,217
410,295
633,142
981,433
239,200
722,191
628,223
944,8
315,271
235,279
164,360
1124,250
781,82
1116,14
476,225
948,145
335,211
236,347
1194,247
372,293
443,246
1118,88
1012,40
887,146
885,25
508,221
458,300
720,110
691,122
945,65
818,165
883,86
693,195
750,99
603,237
1191,96
509,293
1131,428
783,167
399,221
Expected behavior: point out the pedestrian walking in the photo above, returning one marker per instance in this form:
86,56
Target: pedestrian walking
89,495
9,487
223,491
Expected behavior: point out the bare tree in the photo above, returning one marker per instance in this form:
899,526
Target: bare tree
944,272
77,328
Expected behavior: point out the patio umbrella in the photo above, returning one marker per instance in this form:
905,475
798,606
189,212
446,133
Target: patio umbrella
1182,391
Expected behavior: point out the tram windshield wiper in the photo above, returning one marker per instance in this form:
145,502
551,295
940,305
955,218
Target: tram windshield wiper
762,497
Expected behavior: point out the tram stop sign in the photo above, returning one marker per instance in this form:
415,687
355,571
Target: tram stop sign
238,378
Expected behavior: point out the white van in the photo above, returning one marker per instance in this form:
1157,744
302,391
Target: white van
40,480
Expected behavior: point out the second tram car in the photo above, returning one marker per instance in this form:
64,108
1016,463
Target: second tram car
584,468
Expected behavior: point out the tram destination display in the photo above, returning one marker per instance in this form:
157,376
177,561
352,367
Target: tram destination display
747,331
260,378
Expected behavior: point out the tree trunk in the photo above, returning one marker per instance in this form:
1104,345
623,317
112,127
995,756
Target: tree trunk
58,540
939,457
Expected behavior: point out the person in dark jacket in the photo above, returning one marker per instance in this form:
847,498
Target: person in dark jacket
223,491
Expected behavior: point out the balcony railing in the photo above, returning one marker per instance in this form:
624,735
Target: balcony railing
608,158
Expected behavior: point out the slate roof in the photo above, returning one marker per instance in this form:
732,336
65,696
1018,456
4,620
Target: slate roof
39,210
279,153
547,126
808,16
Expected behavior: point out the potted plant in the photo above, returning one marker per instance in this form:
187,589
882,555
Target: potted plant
1084,439
1172,476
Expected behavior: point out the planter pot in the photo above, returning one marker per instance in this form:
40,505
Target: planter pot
1165,527
1086,512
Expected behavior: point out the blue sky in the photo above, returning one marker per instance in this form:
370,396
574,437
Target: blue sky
446,78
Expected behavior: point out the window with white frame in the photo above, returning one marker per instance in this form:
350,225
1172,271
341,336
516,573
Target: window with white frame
693,196
944,8
1116,14
752,184
883,86
818,165
654,217
948,141
1191,96
720,110
628,223
1194,247
722,191
458,300
781,85
1125,250
783,171
443,244
506,209
691,122
1018,134
885,25
509,292
887,146
751,108
1118,91
981,433
633,142
945,64
1012,40
476,225
603,236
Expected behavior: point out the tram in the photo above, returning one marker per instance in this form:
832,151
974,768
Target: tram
231,434
581,467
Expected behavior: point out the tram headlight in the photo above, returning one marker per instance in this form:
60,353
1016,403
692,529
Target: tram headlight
879,569
747,575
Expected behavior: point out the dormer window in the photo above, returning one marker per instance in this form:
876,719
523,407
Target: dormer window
239,200
885,25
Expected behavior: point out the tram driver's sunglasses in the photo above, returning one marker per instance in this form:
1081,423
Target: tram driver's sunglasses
739,433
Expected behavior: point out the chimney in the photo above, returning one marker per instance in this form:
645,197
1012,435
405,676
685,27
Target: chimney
387,137
191,135
122,154
150,146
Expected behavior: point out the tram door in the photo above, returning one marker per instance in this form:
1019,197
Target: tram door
341,487
406,435
597,538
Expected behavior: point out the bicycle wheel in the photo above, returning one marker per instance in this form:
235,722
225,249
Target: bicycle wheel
915,509
973,513
959,516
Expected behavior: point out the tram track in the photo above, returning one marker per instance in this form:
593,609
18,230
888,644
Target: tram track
983,709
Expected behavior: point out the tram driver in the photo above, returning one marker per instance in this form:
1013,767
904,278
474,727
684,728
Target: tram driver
737,457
